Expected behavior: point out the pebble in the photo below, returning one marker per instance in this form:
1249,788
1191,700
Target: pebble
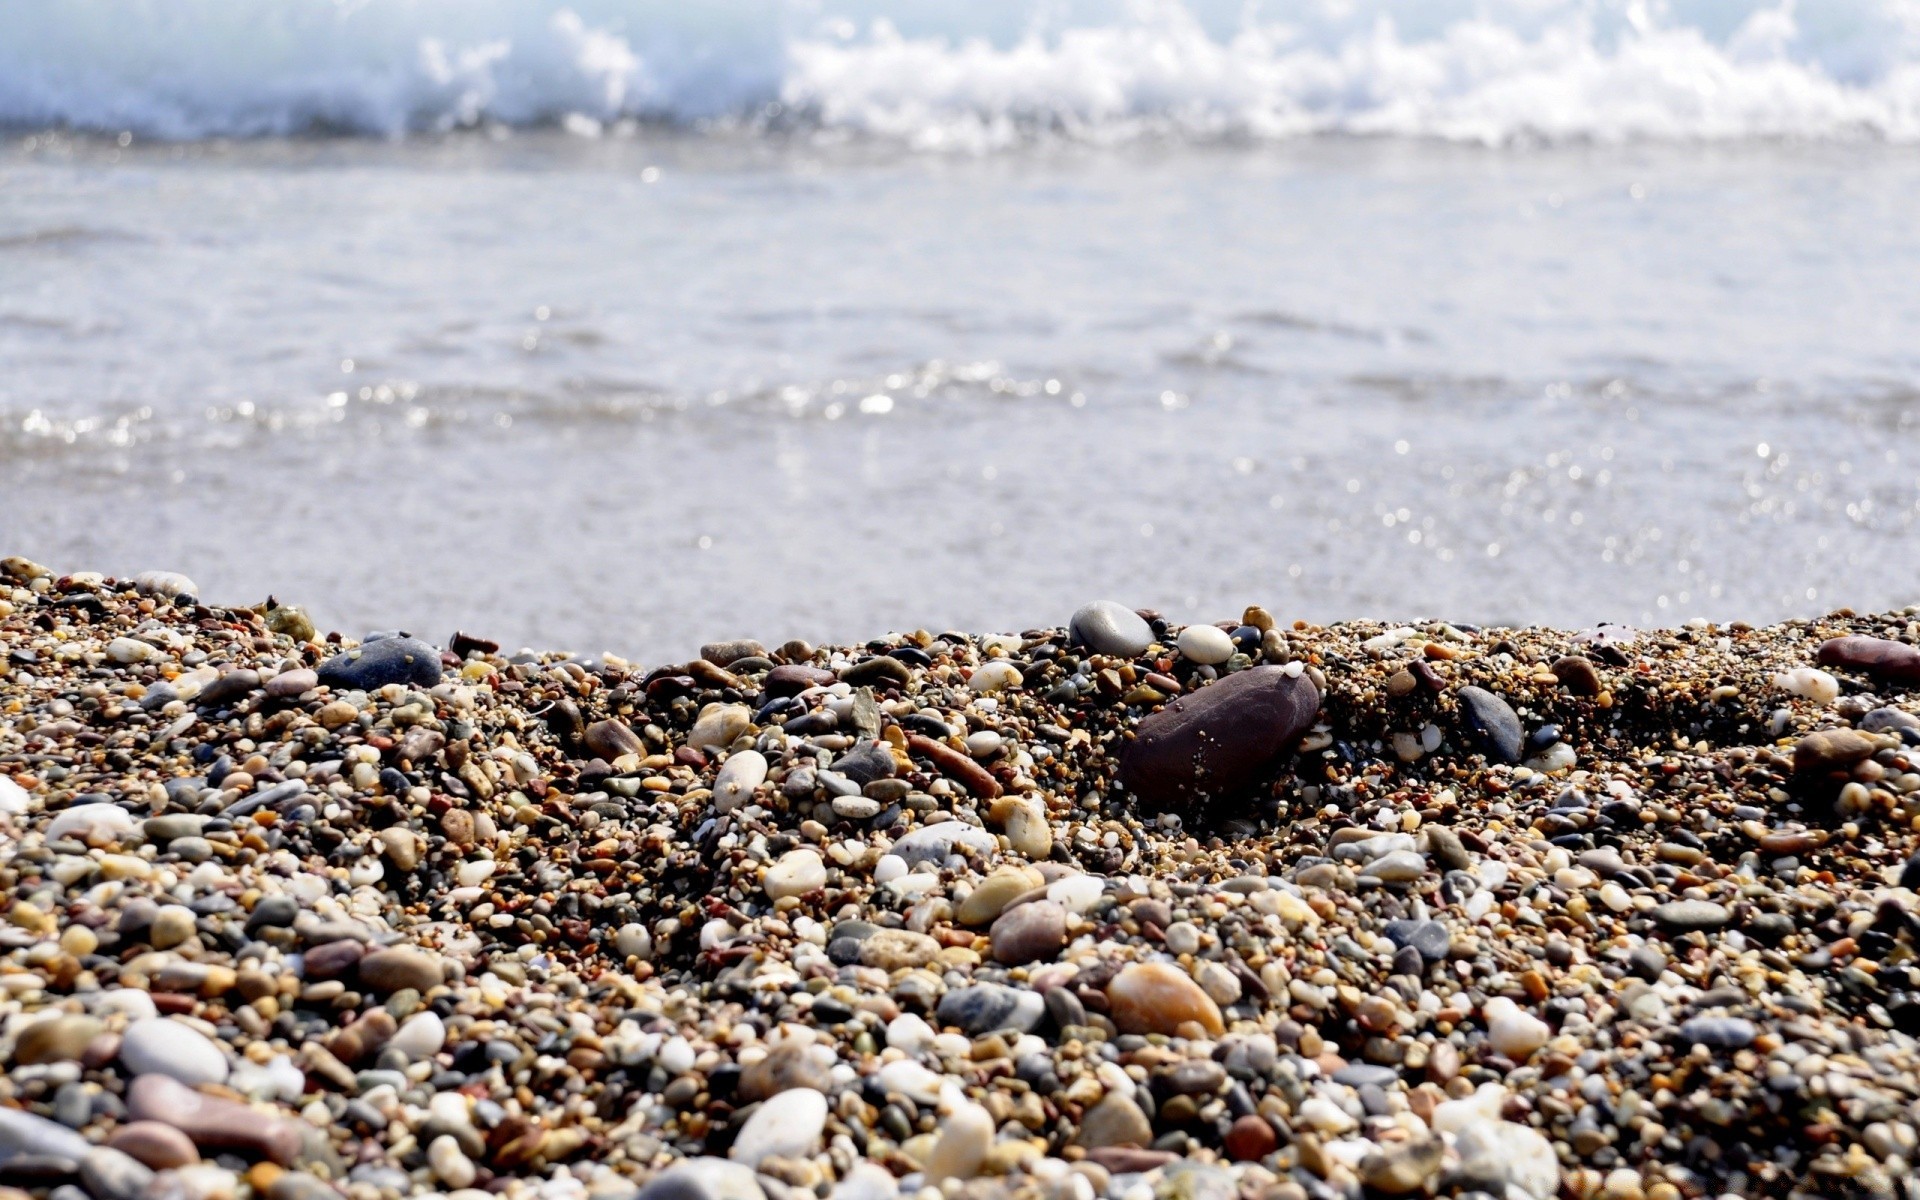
935,843
110,1175
1109,627
1514,1033
57,1039
1491,725
1028,833
1207,645
372,665
1029,933
450,1164
420,1036
1212,744
987,1007
1831,749
1685,916
1115,1121
966,1135
159,1146
164,1046
738,779
1809,683
25,1134
786,1126
1718,1033
399,968
1430,938
1403,1169
1884,659
1159,998
795,874
719,725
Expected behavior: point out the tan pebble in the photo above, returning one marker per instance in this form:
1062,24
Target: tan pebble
1158,998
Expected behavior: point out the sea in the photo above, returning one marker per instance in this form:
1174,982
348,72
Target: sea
622,325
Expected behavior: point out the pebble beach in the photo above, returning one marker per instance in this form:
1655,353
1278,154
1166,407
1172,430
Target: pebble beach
1109,909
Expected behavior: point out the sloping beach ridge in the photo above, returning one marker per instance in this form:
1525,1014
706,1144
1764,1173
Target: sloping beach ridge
1107,909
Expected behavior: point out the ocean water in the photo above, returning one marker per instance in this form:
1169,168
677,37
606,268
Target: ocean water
624,325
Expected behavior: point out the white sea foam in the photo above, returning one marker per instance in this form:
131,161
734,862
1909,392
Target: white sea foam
979,75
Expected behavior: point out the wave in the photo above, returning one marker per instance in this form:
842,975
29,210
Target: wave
972,74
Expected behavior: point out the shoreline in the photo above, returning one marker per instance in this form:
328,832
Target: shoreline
1603,913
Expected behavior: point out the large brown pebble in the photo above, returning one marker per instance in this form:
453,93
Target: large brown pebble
1159,998
332,959
955,765
1578,676
612,739
791,679
399,967
1250,1139
56,1039
1030,932
1831,749
155,1143
1213,743
1885,660
211,1122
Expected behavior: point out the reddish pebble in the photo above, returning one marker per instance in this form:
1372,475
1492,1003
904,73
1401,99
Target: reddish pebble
1251,1139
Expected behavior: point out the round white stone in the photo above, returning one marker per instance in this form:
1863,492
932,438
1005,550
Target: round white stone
420,1037
738,777
786,1126
159,1046
1205,644
797,873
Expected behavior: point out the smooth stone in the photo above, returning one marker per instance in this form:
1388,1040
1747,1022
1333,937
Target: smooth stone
865,762
1886,660
795,874
966,1135
898,949
879,671
1030,932
109,1174
718,725
1888,720
737,780
1491,724
1250,1139
1396,866
994,893
786,1126
172,826
1718,1033
788,1065
722,654
613,740
163,1046
1514,1033
1109,627
420,1036
1207,645
1156,997
397,968
1403,1169
154,1143
1578,675
936,843
374,665
56,1039
1498,1155
289,685
855,808
1685,916
170,584
214,1123
230,687
450,1164
22,1133
91,822
1115,1121
988,1007
1029,834
703,1179
1831,750
1213,743
1430,938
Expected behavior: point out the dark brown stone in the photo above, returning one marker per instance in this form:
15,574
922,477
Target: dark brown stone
211,1122
794,678
1885,660
1212,744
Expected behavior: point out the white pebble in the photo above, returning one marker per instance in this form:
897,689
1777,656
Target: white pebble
995,676
738,777
797,873
1205,644
1809,683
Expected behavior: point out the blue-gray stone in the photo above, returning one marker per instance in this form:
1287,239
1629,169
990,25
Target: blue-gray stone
377,664
1430,938
1718,1033
987,1007
1491,724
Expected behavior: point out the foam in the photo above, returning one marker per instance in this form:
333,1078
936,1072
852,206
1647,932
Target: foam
975,76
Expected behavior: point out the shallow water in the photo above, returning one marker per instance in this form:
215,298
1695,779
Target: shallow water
631,393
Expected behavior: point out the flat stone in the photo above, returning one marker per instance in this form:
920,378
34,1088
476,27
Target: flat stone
289,685
796,873
1158,997
396,968
1491,725
1115,1121
1430,938
898,949
1109,627
1718,1033
1885,660
154,1143
936,843
22,1133
788,1065
163,1046
865,762
374,665
878,671
786,1126
1031,932
989,1007
1831,750
1212,744
790,679
214,1123
1685,916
